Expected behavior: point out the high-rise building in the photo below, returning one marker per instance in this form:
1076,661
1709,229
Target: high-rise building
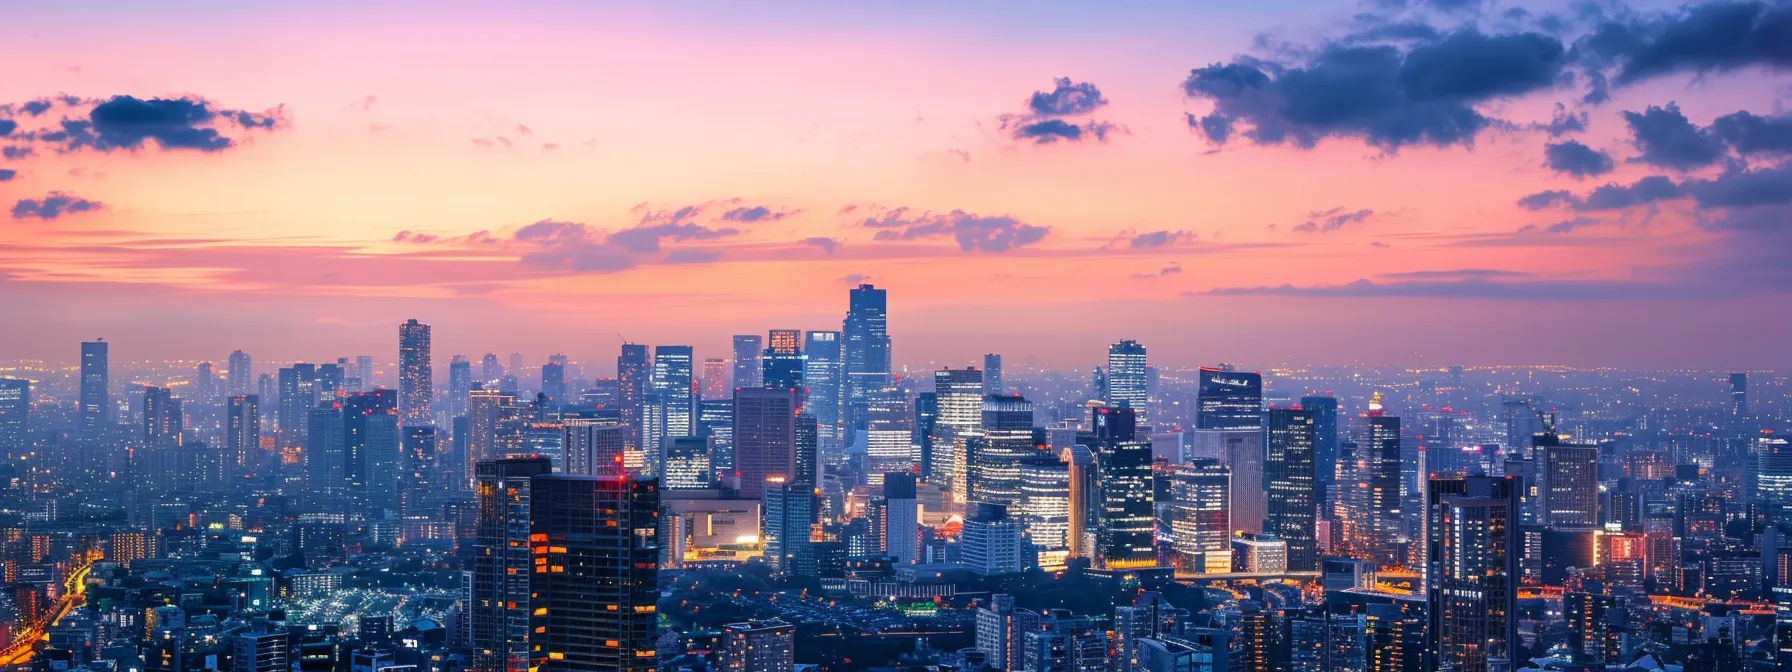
1085,500
1293,511
416,379
15,417
94,405
1568,491
595,444
1200,521
491,372
1592,639
824,373
1325,445
1229,400
889,436
297,386
958,425
992,374
783,361
715,378
460,385
633,373
370,448
553,382
1739,394
241,379
747,369
789,516
501,595
1127,536
163,420
1044,506
326,481
261,648
1772,467
1126,376
1472,572
866,350
991,542
1242,452
687,463
927,415
758,646
901,522
242,435
672,380
1380,456
1006,444
764,437
364,371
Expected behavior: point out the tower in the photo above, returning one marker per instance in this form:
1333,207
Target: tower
865,351
94,411
764,436
1126,376
1293,511
1472,572
416,380
747,371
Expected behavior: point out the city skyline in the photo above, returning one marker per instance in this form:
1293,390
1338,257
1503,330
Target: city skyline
1082,172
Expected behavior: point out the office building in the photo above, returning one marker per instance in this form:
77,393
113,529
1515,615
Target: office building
242,435
416,378
1200,520
1126,536
889,436
1126,376
715,379
163,419
261,648
672,380
594,444
959,393
1325,445
901,522
93,411
460,385
1472,572
15,417
687,463
927,414
1007,443
764,437
992,542
1379,482
1085,500
241,378
633,373
748,371
782,362
1293,511
370,449
1044,506
1739,394
865,350
758,646
1229,400
1568,488
992,374
553,382
824,373
790,515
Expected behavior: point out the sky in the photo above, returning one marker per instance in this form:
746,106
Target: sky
1426,182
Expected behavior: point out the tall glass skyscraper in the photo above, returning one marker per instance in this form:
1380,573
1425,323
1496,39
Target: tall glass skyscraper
1006,444
1325,444
94,409
866,350
764,437
15,407
959,393
239,380
1126,536
992,374
747,371
416,380
672,377
1126,376
782,363
633,373
889,436
460,384
1229,400
1293,509
823,373
1472,572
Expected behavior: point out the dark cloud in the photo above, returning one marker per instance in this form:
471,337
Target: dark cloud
7,126
17,151
974,233
416,237
646,239
1544,199
1709,37
1159,239
1564,226
1067,98
1575,159
1047,131
1641,192
692,256
1387,95
6,175
127,123
1667,139
54,205
1750,133
1171,269
828,244
571,246
757,213
1217,128
1463,288
855,278
1744,189
1456,274
1563,122
1326,221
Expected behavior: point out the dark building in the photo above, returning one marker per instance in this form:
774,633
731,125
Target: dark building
15,416
1325,445
1289,471
1739,394
633,370
1006,443
1126,534
866,350
94,406
747,371
1473,570
416,378
1229,400
764,437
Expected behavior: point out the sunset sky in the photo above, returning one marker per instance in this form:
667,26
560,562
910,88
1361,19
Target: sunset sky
1280,181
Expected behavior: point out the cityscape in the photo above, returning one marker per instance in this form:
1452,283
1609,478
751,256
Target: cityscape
1282,336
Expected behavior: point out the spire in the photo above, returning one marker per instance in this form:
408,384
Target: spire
1375,404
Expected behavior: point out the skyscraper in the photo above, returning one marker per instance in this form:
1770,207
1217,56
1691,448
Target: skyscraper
416,380
460,384
94,406
1229,400
1126,376
1200,524
958,426
715,378
490,371
789,513
758,646
1325,445
992,374
1006,443
823,373
1472,572
1379,479
593,608
1085,500
242,435
1568,494
324,467
672,379
783,360
240,379
1739,394
15,417
1127,534
1293,511
553,382
500,602
594,444
370,446
866,350
889,436
764,437
633,373
747,370
902,518
163,420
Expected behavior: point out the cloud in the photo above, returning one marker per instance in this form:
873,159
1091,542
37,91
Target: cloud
571,246
416,237
128,123
1172,269
7,126
1044,121
828,244
52,206
17,152
757,213
1644,191
1159,239
1575,159
1217,128
1067,98
974,233
855,278
1711,37
1463,288
692,256
646,239
1327,221
1744,189
6,174
1563,122
1386,95
1666,139
1456,274
1750,133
